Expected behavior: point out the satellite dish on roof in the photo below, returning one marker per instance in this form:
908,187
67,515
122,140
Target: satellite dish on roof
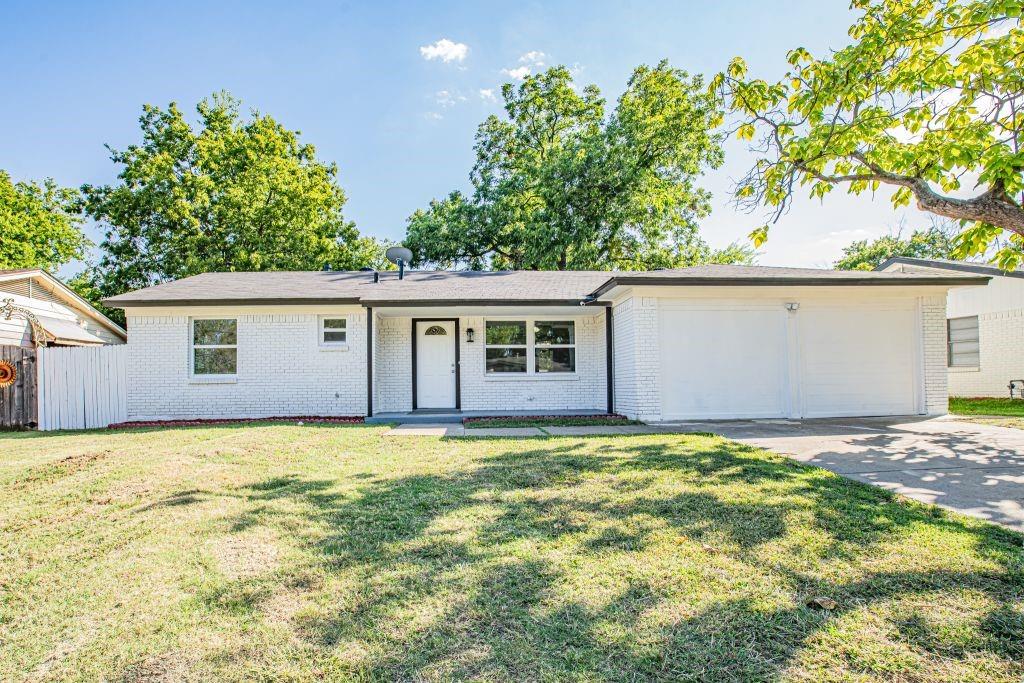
401,256
398,254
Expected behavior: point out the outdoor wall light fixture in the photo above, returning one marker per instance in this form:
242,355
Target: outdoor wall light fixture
469,335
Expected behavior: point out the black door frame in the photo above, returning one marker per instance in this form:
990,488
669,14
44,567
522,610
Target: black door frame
458,365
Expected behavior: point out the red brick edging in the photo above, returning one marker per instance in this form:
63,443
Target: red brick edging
245,420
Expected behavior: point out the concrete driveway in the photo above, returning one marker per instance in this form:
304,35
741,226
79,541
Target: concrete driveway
971,468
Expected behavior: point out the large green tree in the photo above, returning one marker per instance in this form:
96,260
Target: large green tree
560,183
927,100
935,242
231,193
40,225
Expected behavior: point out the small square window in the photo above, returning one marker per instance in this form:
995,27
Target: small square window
333,330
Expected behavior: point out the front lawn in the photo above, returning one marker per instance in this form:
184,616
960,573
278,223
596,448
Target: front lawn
1005,407
269,552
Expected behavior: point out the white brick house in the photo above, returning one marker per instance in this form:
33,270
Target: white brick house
984,326
697,343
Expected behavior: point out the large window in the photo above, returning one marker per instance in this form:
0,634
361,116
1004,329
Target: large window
962,334
333,331
506,346
554,347
214,346
530,346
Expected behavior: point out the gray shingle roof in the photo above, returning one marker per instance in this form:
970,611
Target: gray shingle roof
951,265
447,287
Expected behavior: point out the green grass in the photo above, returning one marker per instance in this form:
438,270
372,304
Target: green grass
580,421
337,553
1004,407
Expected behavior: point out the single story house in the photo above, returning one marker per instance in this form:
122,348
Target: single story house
985,325
62,317
704,342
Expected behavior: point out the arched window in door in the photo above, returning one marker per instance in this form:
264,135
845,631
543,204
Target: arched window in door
435,331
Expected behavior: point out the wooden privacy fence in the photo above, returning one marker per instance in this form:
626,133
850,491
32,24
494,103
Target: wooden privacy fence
83,387
17,387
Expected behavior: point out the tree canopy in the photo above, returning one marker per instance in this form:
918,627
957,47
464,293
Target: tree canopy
935,242
232,193
40,225
559,183
927,100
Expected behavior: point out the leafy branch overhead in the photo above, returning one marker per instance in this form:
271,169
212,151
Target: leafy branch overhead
928,100
561,183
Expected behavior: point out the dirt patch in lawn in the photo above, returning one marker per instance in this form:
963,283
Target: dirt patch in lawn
245,555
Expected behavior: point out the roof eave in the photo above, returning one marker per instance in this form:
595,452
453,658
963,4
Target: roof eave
980,268
116,302
788,282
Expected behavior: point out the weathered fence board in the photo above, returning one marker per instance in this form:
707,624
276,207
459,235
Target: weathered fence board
18,407
82,388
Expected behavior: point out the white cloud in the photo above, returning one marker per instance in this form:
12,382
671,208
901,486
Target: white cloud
534,57
519,73
487,94
446,50
447,98
432,116
444,98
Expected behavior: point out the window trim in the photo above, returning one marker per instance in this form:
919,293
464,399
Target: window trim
950,342
531,347
321,330
192,346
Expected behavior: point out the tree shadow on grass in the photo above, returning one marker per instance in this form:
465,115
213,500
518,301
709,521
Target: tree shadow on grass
522,565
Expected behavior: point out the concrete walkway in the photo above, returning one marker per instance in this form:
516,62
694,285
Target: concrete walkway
518,432
974,469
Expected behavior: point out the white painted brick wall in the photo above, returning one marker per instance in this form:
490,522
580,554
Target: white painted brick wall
637,358
933,335
393,364
282,369
585,391
1001,342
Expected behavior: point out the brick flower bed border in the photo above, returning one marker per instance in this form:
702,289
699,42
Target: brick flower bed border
498,418
224,421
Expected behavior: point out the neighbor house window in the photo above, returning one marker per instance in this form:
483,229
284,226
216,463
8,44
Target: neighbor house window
333,330
214,346
962,335
554,347
506,346
530,346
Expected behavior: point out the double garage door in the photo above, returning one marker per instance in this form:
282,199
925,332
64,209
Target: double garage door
736,360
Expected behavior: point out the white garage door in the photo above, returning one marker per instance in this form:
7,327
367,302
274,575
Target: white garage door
723,363
857,360
740,361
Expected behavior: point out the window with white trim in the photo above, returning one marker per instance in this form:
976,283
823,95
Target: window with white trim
333,331
962,337
554,346
214,346
529,346
506,350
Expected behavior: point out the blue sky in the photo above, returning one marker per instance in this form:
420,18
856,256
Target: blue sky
398,120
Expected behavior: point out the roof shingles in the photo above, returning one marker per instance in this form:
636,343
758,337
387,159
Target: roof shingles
443,287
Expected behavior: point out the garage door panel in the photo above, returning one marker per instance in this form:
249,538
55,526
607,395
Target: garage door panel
857,361
723,363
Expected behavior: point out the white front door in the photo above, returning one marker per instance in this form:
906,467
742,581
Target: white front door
435,364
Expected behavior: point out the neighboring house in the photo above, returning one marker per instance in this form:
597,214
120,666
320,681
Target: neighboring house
66,318
985,325
702,342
